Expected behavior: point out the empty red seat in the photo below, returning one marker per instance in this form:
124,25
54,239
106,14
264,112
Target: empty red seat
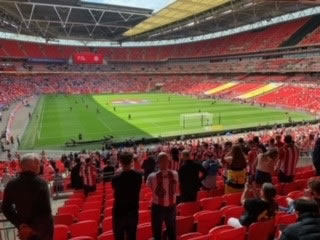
60,232
296,194
203,237
261,230
289,187
85,228
202,195
184,225
106,236
284,219
82,238
89,215
237,233
107,224
207,221
63,219
213,203
144,232
301,184
144,216
232,199
216,230
74,201
91,205
189,236
144,205
282,201
72,209
188,209
107,212
235,212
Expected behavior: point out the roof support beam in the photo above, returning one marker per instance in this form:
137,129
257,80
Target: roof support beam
75,7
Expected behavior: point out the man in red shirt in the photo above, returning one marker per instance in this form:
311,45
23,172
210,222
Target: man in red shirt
288,159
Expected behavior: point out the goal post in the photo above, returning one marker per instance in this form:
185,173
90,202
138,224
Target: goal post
201,119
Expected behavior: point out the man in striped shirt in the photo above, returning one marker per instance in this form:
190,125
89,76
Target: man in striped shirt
288,159
164,186
88,173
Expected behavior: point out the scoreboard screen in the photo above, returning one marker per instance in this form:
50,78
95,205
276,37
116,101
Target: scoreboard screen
87,58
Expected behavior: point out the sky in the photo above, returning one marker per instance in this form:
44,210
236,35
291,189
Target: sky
150,4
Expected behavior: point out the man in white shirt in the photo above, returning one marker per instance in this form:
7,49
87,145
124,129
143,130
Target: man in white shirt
164,186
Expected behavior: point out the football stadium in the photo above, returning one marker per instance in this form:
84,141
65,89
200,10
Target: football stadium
159,119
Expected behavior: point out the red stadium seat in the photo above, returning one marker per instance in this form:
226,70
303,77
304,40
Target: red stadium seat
235,212
213,203
144,216
207,221
145,205
108,212
216,230
85,228
189,236
261,230
204,237
63,219
202,195
289,187
74,201
106,236
71,209
238,233
296,194
232,199
144,232
188,209
89,215
107,224
60,232
184,225
91,205
82,238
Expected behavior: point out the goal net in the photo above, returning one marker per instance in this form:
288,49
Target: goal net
202,119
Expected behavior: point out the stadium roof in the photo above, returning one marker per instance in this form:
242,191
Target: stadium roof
88,21
71,19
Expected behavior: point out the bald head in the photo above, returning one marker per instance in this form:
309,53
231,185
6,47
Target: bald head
30,162
186,155
163,160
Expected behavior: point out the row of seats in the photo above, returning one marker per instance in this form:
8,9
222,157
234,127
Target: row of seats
268,38
92,216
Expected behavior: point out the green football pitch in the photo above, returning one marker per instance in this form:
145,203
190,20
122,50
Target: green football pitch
152,115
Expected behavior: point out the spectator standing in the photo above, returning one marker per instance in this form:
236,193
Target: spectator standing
212,168
88,173
236,173
266,163
76,179
252,158
163,184
126,186
189,179
148,165
108,171
288,160
26,202
316,156
308,225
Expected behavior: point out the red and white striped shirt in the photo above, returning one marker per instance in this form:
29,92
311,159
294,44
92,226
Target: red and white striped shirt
252,159
288,159
89,174
164,186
